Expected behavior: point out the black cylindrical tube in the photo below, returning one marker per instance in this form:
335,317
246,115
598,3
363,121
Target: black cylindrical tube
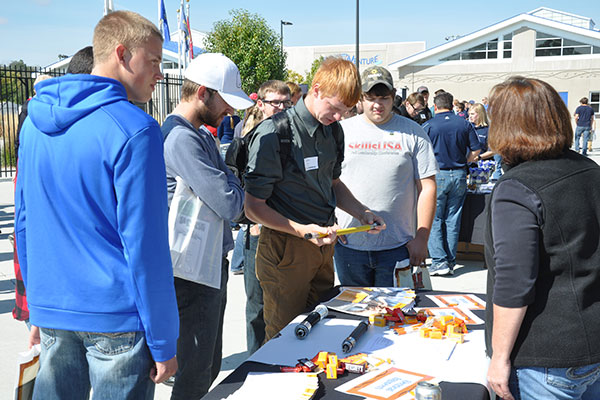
303,328
350,341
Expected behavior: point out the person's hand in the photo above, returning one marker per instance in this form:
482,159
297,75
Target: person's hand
254,229
498,374
329,232
34,336
417,251
161,371
369,218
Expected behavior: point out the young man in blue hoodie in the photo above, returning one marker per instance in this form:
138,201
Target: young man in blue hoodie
209,92
91,223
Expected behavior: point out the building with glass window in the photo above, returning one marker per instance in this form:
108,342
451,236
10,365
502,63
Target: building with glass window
300,58
558,47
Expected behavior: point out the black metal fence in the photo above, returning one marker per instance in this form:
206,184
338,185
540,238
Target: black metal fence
16,87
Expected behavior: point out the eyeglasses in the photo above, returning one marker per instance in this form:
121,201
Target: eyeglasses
278,103
415,108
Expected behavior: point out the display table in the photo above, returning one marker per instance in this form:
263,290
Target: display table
472,226
322,332
472,221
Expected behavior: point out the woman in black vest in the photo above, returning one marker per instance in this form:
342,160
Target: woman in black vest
543,251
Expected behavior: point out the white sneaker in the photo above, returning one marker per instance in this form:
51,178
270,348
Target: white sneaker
439,270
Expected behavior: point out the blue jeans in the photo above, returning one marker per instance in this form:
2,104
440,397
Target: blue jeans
237,258
367,268
200,343
534,383
255,322
498,171
114,365
451,193
585,130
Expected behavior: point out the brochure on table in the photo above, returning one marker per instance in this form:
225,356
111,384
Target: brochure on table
280,385
386,384
466,301
366,301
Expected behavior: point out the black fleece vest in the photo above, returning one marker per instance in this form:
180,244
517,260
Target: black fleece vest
562,327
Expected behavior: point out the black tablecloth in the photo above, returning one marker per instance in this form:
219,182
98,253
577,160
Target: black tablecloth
450,391
472,221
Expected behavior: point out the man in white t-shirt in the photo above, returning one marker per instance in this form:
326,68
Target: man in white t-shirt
389,164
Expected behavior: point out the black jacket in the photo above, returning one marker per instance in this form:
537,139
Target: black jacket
562,325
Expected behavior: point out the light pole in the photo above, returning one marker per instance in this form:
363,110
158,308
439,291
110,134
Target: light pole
282,24
357,60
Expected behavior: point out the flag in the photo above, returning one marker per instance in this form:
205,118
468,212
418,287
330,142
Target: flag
187,23
184,30
164,24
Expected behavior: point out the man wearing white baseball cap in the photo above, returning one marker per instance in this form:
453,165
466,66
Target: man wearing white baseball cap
211,90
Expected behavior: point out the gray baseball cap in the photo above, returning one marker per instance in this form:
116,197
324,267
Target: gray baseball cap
375,75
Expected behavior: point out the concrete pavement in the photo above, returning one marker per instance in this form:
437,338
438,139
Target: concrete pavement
469,277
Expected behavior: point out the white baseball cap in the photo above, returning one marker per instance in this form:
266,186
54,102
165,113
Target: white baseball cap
215,71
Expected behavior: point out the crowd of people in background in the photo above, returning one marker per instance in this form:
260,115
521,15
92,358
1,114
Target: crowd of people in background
97,177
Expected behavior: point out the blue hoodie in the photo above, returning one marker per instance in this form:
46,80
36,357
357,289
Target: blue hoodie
91,214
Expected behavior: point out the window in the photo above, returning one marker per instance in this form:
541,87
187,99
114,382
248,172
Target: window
551,45
487,50
595,101
507,39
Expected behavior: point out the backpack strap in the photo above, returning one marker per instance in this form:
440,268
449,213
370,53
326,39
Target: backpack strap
284,133
282,125
338,135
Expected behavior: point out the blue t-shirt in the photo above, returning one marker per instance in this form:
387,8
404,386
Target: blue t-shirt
226,129
482,136
452,137
463,114
585,115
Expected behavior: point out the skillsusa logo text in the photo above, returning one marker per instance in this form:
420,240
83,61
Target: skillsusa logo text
383,145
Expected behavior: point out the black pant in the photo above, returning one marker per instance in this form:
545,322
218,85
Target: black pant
199,347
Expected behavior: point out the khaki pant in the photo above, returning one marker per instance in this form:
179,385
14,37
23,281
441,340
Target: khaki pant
293,274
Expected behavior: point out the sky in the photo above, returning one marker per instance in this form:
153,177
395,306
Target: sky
37,31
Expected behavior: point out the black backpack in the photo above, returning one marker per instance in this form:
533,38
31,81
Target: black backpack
236,157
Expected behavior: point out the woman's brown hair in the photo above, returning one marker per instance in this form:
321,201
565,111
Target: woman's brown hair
529,121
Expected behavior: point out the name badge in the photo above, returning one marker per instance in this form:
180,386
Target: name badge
311,163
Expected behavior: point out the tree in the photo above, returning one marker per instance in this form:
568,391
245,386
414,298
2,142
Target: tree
294,76
251,44
313,70
16,84
18,64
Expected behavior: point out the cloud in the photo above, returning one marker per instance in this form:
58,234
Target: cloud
3,21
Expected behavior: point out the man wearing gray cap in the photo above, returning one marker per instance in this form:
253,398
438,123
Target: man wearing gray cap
425,114
402,190
210,91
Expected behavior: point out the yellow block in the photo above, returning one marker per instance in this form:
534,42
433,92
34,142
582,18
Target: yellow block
333,360
435,334
457,337
377,320
452,329
331,371
424,332
322,359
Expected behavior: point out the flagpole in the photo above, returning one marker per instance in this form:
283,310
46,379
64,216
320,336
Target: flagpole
182,39
108,7
189,58
160,27
161,93
179,41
